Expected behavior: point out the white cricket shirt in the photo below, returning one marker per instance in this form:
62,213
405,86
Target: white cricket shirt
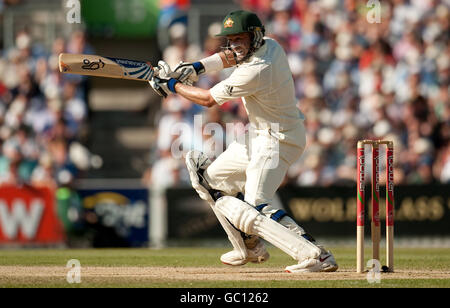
265,84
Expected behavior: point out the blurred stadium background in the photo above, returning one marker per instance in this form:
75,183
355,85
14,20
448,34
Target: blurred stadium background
87,162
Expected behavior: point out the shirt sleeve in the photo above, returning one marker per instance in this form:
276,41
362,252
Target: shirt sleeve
241,83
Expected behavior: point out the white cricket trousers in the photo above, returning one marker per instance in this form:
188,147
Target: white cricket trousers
257,165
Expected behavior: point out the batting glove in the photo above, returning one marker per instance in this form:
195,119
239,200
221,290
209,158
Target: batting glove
163,86
188,72
166,80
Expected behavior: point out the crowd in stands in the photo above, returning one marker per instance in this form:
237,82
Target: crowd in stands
377,72
43,114
359,73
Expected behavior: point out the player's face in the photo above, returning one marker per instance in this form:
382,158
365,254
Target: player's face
240,44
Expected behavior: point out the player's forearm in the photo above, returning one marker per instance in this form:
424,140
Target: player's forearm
197,95
217,62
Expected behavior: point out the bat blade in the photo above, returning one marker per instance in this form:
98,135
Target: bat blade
93,65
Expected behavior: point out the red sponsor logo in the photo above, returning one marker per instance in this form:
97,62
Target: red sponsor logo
28,215
376,218
376,168
390,218
360,218
390,173
361,163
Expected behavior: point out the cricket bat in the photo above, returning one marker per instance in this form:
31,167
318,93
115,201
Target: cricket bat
93,65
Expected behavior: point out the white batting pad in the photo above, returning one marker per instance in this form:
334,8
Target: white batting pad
247,219
234,236
196,160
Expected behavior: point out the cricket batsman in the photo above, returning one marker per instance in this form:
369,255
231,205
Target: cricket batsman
241,183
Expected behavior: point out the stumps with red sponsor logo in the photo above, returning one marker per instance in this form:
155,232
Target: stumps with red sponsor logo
360,210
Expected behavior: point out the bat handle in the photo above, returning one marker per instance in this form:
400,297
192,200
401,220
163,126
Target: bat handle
155,72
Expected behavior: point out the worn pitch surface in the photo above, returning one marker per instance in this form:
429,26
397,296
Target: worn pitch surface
200,267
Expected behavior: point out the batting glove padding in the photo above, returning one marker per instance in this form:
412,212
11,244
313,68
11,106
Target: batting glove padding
163,86
188,72
166,80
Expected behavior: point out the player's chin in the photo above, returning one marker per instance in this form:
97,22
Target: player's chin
240,55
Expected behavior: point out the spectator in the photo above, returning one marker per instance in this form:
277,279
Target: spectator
41,114
179,49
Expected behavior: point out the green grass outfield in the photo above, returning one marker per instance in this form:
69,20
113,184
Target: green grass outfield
201,267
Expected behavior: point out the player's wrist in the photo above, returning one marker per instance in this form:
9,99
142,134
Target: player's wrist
171,84
198,67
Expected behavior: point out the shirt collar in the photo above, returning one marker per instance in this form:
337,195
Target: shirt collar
258,54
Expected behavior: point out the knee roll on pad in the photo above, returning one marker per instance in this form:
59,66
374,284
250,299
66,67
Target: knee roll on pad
196,163
246,218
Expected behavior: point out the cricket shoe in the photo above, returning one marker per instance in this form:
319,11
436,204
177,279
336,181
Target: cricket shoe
257,254
324,263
